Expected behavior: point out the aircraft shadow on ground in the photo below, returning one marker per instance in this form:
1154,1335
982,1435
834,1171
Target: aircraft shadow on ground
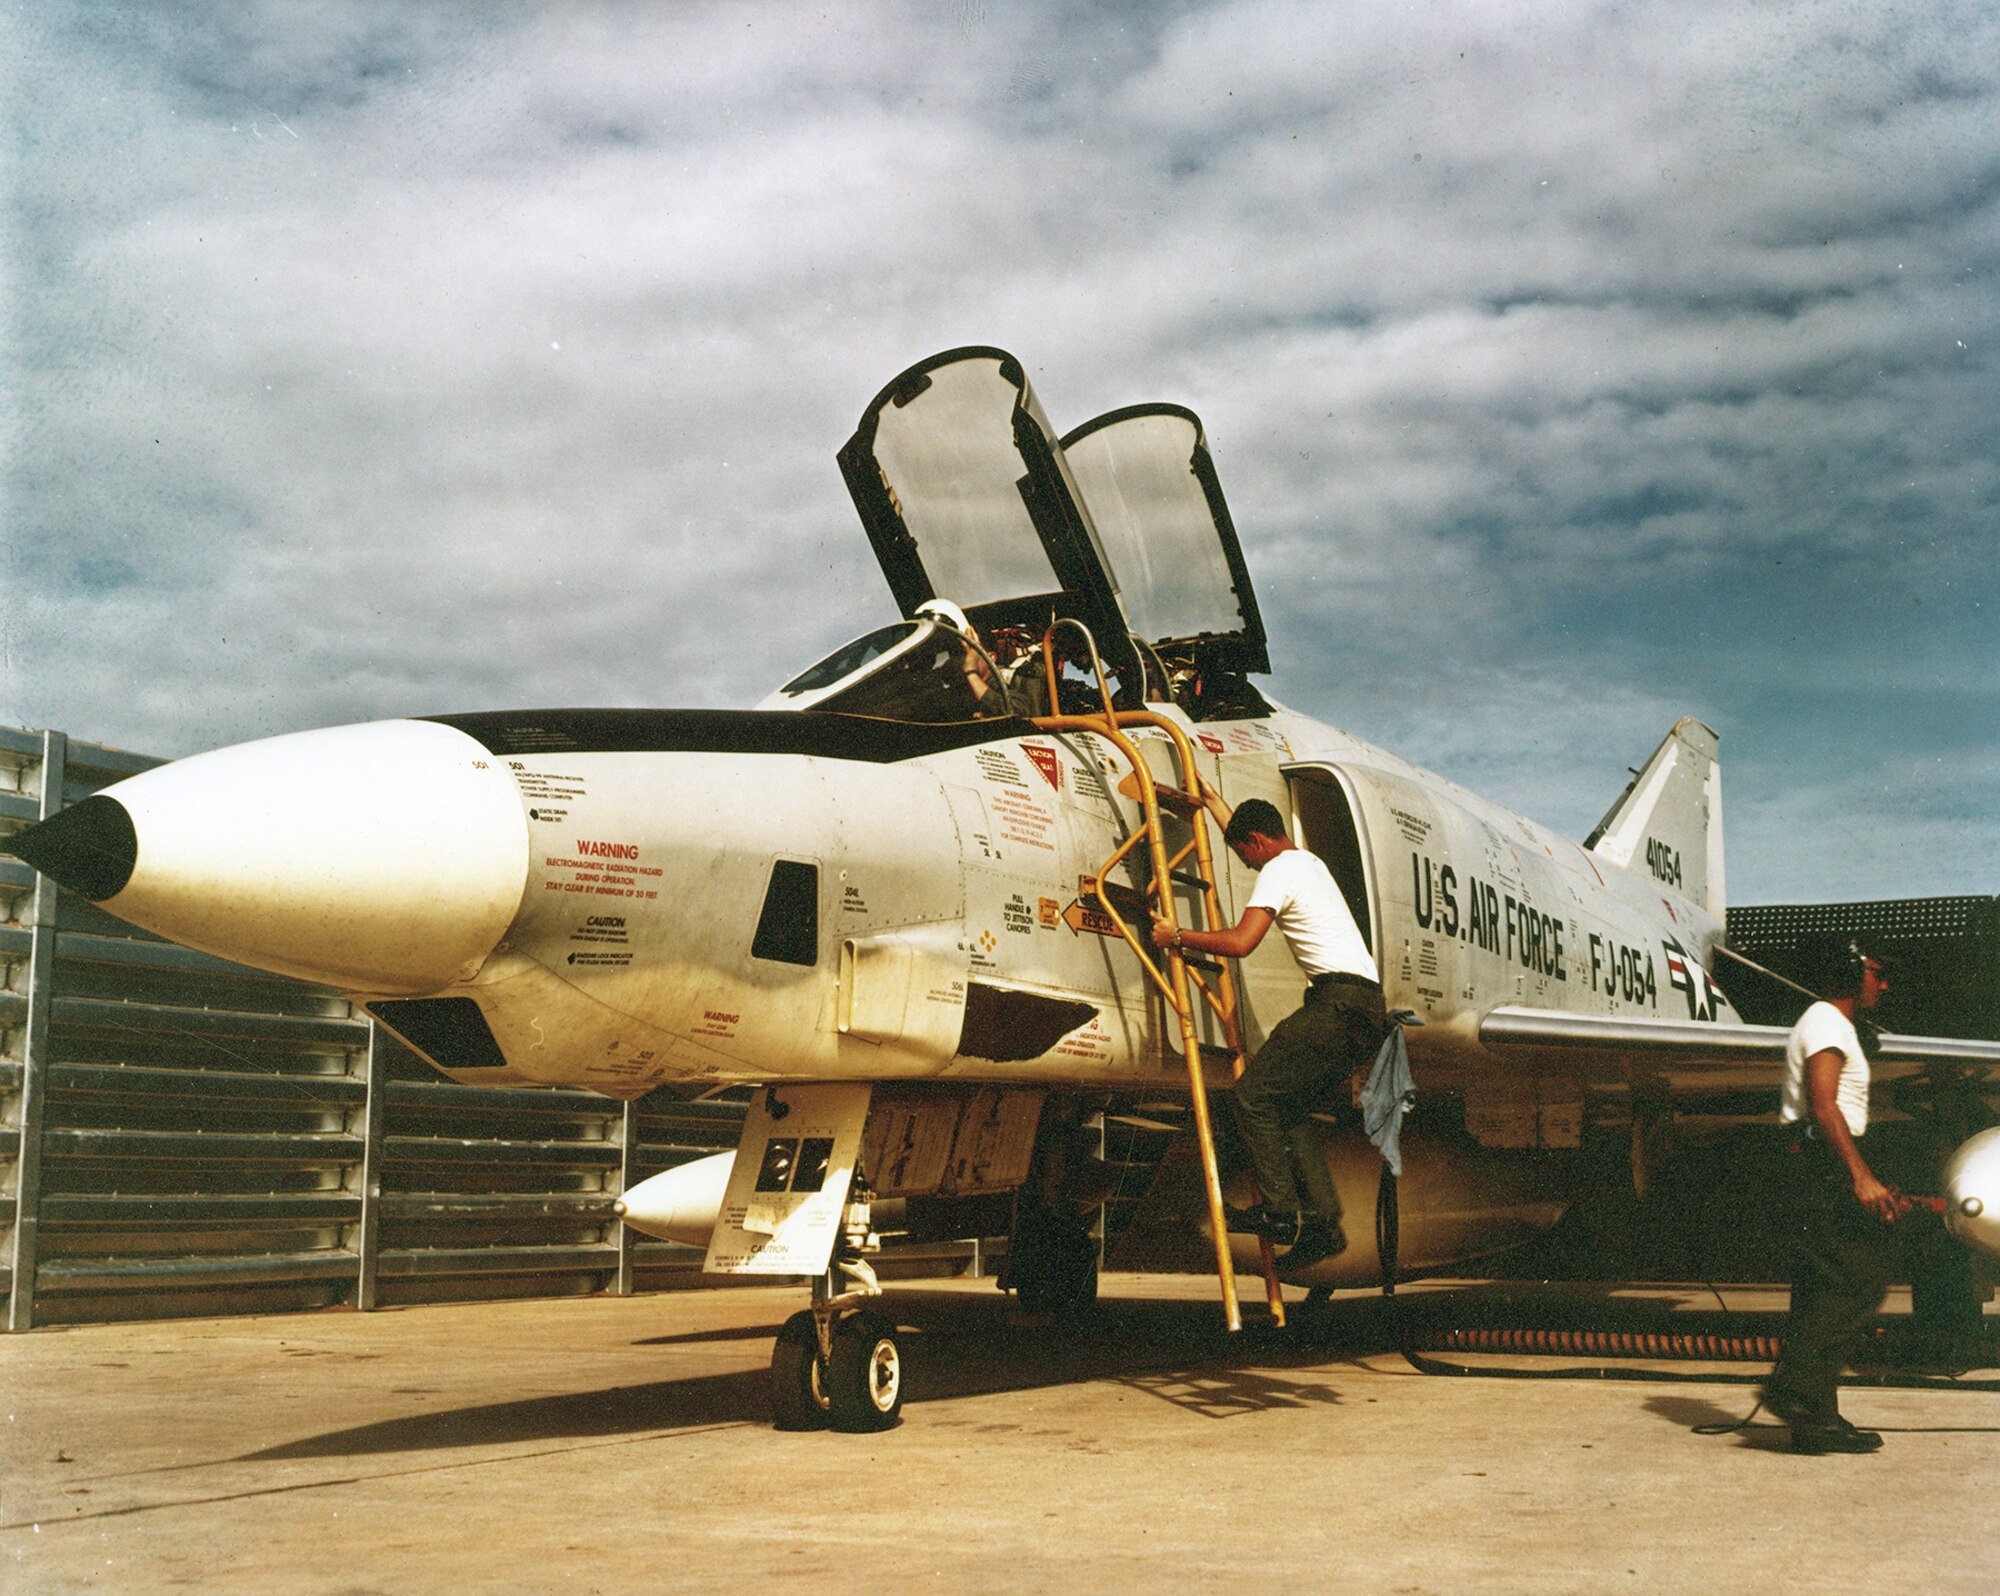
959,1344
1690,1413
953,1347
687,1338
578,1416
1179,1352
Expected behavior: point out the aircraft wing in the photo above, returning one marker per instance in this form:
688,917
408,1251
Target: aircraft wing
1664,1044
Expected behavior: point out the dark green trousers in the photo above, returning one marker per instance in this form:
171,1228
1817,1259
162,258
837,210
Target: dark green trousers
1842,1258
1310,1052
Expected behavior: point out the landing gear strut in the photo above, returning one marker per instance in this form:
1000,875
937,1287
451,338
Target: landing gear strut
1051,1259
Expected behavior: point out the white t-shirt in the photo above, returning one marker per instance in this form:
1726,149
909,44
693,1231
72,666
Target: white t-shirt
1319,928
1820,1028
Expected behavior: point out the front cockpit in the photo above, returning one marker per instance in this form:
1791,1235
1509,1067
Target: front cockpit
919,670
929,672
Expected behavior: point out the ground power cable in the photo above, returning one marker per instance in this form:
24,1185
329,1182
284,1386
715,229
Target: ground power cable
1414,1342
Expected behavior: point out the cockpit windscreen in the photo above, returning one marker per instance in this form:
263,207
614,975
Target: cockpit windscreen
912,671
848,658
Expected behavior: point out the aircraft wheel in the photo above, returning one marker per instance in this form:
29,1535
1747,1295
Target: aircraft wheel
864,1382
798,1388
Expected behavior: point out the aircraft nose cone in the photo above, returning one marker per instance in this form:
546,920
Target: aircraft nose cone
386,858
1972,1192
679,1204
90,848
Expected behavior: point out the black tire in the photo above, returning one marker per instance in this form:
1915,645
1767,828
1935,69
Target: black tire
864,1382
798,1388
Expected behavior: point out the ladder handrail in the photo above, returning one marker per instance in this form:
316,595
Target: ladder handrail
1174,986
1054,673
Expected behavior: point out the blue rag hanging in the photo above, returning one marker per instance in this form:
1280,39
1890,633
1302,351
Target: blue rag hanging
1389,1092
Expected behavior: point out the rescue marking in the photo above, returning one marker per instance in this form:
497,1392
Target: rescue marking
1080,917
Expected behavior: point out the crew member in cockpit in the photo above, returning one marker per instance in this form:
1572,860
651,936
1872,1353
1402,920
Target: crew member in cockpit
1337,1029
982,684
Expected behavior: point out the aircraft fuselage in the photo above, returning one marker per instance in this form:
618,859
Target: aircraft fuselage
803,898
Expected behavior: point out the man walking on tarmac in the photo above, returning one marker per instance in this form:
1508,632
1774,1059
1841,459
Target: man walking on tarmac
1340,1026
1835,1211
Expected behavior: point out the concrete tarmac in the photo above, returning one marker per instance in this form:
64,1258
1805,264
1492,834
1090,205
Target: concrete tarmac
623,1445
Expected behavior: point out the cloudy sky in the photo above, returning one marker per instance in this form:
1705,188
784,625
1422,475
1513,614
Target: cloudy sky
1570,367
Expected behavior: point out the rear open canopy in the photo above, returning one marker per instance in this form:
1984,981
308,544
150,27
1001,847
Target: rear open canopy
1154,498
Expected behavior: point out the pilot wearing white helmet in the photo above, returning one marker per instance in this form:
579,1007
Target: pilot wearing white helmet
987,695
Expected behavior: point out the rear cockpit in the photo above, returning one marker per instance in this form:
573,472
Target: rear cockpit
991,531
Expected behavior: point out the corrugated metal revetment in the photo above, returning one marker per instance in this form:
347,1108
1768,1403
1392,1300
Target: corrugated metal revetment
1946,976
185,1136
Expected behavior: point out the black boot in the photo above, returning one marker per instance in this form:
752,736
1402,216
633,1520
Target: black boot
1319,1238
1278,1226
1833,1435
1791,1408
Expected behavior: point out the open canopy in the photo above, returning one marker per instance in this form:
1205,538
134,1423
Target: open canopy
965,495
1146,474
968,495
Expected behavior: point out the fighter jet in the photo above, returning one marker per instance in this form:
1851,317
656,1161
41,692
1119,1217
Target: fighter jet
905,898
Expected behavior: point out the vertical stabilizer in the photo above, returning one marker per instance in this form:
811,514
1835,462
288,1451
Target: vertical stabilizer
1668,823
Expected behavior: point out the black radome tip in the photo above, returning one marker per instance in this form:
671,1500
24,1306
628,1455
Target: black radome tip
89,848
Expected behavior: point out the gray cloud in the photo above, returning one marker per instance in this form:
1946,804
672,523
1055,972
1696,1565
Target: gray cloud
1569,368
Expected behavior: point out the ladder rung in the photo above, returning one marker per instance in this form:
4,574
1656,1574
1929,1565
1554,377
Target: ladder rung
1169,797
1194,961
1188,878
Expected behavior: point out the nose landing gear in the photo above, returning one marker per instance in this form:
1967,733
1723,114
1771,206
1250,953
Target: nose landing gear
837,1364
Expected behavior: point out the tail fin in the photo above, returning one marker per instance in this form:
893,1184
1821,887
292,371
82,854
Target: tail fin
1668,821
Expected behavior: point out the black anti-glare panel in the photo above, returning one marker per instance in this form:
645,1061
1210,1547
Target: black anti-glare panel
516,732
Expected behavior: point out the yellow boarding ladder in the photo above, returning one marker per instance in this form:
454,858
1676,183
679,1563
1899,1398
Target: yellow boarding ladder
1184,979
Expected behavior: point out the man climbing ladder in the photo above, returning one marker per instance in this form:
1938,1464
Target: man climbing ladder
1338,1027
